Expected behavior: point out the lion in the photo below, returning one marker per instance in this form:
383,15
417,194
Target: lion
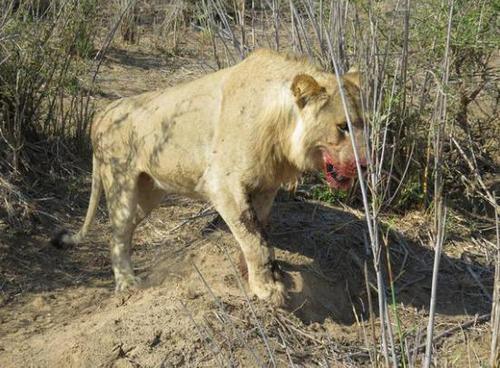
232,138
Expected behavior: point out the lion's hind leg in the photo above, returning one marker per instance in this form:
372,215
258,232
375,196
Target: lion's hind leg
121,198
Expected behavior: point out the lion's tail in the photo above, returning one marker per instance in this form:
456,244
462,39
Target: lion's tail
64,237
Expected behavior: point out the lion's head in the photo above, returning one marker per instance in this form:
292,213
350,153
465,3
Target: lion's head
322,130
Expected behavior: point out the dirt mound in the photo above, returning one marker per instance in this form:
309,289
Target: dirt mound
194,309
187,278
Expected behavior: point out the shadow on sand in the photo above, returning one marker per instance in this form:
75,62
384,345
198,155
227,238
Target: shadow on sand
331,283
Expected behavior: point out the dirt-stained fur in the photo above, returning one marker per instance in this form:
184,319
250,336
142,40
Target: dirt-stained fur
232,138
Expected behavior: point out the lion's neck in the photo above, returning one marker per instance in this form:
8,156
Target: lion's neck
274,148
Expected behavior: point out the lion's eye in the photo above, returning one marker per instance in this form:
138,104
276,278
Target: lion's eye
344,128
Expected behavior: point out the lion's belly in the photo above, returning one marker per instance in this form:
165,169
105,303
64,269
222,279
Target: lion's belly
178,174
178,147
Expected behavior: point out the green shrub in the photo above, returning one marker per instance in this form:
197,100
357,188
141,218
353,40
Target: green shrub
44,101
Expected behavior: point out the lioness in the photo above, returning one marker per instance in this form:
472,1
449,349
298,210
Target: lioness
232,138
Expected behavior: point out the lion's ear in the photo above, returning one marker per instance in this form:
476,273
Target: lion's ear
353,76
305,88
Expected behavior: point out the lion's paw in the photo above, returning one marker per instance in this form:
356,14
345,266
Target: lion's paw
127,282
274,292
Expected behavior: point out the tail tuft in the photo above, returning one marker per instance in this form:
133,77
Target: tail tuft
61,240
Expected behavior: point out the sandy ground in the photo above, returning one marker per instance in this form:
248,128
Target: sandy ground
58,307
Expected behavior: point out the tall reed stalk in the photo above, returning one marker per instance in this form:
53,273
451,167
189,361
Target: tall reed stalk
440,119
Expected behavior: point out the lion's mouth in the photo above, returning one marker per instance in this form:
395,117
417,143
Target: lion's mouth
334,178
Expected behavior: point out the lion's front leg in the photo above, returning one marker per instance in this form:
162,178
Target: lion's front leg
263,278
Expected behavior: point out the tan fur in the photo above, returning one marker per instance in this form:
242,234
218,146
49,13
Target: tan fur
232,138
